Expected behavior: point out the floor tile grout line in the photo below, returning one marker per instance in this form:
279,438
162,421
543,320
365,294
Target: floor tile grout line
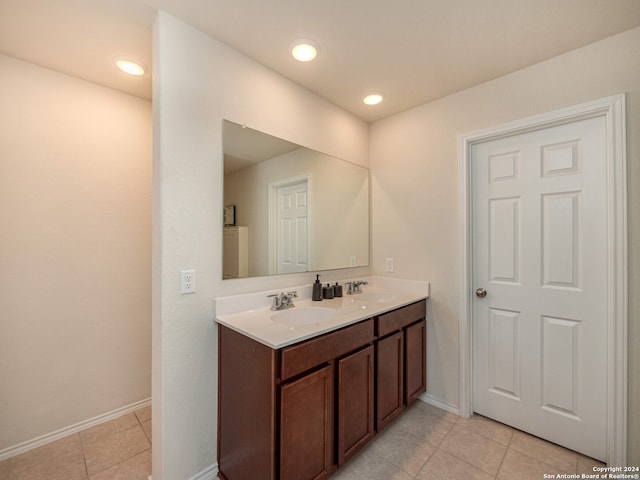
143,430
139,425
526,453
538,459
470,464
506,450
513,431
82,450
474,466
84,457
509,448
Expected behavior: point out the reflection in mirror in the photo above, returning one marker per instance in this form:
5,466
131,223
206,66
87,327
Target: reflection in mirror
290,209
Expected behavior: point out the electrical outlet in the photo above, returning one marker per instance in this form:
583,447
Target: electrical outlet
352,261
187,281
389,264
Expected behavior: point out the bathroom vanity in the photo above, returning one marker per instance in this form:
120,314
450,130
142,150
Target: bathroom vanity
299,409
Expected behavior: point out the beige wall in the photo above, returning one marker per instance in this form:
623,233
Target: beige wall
75,233
414,163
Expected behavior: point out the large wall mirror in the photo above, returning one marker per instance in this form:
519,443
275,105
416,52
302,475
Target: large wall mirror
290,209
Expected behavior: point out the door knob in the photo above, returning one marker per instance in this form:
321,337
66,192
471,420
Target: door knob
481,292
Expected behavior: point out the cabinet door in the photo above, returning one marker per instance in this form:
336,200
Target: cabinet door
415,360
389,379
306,427
355,402
247,408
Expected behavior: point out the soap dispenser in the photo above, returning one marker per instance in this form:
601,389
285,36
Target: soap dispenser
317,290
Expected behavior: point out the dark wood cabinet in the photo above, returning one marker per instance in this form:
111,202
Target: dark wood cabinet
300,412
306,426
400,318
311,353
389,378
246,407
355,402
401,360
415,361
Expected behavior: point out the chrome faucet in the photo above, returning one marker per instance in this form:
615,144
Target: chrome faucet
283,300
354,287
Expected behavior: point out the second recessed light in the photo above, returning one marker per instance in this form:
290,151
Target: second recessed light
373,98
130,67
304,50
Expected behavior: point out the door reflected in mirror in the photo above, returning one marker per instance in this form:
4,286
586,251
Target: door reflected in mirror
295,209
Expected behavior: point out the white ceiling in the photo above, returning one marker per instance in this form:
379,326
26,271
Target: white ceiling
412,50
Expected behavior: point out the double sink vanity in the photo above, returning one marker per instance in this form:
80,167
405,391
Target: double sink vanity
302,390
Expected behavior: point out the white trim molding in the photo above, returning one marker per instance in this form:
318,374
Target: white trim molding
71,429
613,110
209,473
436,402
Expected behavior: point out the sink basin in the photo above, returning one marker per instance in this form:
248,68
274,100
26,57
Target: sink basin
304,316
375,297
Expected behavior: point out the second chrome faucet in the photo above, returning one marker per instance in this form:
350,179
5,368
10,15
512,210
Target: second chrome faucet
355,286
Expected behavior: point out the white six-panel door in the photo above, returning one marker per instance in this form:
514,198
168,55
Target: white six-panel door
293,228
540,254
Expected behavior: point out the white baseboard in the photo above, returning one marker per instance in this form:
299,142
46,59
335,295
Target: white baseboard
66,431
436,402
209,473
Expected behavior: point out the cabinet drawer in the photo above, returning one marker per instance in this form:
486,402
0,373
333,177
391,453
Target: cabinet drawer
400,318
304,356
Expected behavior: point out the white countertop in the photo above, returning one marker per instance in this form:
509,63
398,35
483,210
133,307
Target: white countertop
251,315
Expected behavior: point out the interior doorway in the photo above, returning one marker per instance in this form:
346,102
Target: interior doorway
289,250
539,261
507,326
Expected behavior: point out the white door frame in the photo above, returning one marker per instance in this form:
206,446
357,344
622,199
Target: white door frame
273,231
613,109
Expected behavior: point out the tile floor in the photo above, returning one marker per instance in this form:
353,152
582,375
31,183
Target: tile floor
116,450
425,443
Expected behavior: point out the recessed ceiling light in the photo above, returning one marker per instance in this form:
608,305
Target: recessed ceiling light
373,98
304,50
130,67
